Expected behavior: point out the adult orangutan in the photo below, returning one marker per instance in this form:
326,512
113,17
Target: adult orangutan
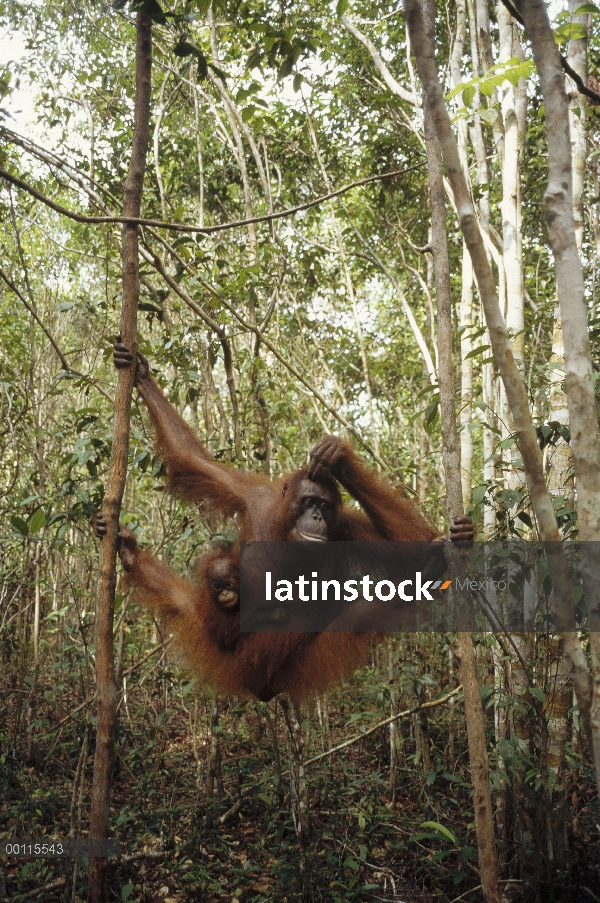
305,506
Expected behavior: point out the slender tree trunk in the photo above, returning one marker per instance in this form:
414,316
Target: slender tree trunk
482,798
105,676
466,381
214,759
558,203
560,457
272,728
199,151
479,53
560,476
466,300
393,724
514,138
298,787
208,400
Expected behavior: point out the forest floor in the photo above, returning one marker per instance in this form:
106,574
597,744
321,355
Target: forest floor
176,846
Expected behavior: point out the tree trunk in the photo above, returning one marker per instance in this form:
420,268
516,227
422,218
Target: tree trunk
560,456
563,605
482,798
514,138
105,675
558,203
299,801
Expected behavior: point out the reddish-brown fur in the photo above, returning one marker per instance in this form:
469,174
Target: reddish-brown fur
262,664
234,663
264,505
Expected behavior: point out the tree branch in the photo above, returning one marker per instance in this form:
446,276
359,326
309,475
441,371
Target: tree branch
394,86
107,696
202,230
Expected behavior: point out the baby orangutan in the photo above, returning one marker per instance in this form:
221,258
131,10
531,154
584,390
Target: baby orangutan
205,621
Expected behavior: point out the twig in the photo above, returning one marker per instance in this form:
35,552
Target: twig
384,723
161,647
487,609
470,891
54,885
231,813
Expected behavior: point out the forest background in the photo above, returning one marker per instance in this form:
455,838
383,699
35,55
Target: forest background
267,336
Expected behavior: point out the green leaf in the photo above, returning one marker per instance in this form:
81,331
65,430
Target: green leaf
202,66
523,516
341,7
219,72
489,116
506,750
479,350
460,87
538,694
298,79
479,494
525,68
590,8
20,525
184,48
54,518
468,94
37,521
435,826
432,410
286,67
570,31
254,59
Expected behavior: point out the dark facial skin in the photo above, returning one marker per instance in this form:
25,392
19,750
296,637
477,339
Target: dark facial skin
330,456
225,584
314,513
